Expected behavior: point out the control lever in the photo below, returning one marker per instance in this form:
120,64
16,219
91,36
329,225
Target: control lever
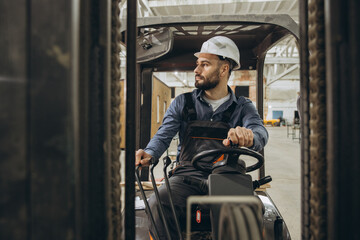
154,162
145,201
167,162
258,183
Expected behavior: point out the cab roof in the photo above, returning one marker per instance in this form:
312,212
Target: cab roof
170,42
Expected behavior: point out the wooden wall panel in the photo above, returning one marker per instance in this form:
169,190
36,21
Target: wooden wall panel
161,96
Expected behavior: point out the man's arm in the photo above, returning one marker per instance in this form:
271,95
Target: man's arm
252,134
142,158
161,140
240,136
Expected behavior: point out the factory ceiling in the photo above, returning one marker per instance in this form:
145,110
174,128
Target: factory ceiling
282,61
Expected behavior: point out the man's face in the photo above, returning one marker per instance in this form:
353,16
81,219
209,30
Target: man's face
207,72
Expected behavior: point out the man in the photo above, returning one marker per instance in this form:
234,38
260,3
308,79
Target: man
209,117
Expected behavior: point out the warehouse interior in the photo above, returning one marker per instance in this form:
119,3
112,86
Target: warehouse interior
77,101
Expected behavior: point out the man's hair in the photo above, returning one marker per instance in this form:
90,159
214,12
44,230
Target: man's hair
230,62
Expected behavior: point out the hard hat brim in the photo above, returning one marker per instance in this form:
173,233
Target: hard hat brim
236,67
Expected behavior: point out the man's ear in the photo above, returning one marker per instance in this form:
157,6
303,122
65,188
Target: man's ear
224,69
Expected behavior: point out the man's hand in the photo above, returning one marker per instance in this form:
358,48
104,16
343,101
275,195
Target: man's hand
241,136
142,158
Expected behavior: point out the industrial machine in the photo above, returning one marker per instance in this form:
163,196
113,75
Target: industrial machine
234,209
167,44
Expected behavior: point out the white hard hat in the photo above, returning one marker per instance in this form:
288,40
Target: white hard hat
221,46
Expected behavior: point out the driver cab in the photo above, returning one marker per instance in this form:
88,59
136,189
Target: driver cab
165,59
165,49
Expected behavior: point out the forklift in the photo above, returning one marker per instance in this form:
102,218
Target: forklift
167,44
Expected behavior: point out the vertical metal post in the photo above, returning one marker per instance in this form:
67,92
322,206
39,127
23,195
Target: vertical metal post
14,162
131,90
115,122
94,119
260,100
343,118
304,113
54,96
317,98
52,116
75,56
145,126
333,94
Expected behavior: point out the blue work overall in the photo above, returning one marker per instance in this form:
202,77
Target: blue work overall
200,136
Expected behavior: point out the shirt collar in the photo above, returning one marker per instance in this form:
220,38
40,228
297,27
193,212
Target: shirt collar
199,94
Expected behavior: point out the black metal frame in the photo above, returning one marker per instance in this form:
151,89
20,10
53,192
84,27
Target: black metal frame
343,114
14,137
145,113
132,105
260,101
55,151
305,132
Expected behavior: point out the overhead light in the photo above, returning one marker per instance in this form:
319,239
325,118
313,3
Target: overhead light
270,106
176,73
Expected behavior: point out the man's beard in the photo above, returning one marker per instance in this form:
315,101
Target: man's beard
210,82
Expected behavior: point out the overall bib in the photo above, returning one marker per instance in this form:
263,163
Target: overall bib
201,136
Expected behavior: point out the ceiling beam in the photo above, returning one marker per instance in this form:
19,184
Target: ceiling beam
139,9
158,3
249,7
264,4
277,6
179,79
170,79
281,60
287,44
293,4
145,5
279,76
189,7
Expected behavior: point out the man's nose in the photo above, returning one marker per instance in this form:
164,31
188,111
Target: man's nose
196,70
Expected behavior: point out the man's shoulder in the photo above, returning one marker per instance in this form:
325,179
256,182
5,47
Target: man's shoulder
193,93
180,100
243,100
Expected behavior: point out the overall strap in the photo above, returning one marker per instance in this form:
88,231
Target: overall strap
189,112
228,112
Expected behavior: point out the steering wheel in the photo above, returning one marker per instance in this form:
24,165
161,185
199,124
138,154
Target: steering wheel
233,151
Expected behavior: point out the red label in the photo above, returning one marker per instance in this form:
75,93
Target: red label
198,216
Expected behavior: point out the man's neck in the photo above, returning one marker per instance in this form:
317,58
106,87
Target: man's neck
217,93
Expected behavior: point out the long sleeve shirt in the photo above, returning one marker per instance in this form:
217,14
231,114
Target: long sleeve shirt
245,115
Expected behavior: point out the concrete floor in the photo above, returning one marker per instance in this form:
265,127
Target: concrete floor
282,163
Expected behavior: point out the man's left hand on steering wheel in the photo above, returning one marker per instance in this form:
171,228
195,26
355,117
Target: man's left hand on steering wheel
243,137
